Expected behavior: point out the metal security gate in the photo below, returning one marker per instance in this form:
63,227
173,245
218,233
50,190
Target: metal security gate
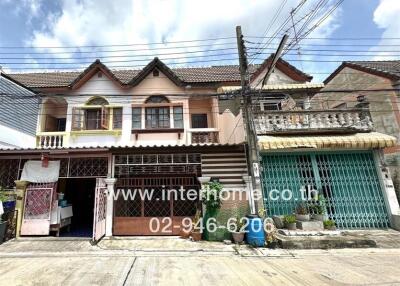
348,181
100,205
148,206
39,199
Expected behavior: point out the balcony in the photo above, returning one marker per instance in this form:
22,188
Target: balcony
313,121
51,140
203,135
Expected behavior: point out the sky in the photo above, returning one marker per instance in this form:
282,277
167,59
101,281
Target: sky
49,34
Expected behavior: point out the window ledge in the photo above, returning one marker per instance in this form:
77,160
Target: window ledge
158,130
96,132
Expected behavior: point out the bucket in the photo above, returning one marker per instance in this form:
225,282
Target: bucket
255,231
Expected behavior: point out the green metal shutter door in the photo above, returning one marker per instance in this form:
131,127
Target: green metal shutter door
349,182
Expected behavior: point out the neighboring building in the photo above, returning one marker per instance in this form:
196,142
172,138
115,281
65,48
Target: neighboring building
333,151
146,128
19,114
378,83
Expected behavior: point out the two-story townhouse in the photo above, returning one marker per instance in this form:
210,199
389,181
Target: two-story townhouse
336,152
151,128
378,82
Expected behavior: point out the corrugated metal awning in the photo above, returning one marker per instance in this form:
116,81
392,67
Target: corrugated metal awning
370,140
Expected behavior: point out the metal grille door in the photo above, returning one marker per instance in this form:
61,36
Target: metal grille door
349,182
100,205
37,210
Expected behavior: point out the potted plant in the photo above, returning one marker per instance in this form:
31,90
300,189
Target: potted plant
196,229
3,224
329,224
302,212
8,201
238,231
319,208
290,222
318,212
271,234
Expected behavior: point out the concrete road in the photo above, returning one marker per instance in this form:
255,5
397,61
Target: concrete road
317,267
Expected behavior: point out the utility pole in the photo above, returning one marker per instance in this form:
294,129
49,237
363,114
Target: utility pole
253,155
251,136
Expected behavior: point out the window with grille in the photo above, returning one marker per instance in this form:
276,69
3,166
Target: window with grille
199,121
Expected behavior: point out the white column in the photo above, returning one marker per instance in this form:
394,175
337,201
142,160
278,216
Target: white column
110,205
126,124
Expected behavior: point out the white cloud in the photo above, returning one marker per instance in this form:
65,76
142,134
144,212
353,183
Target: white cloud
386,17
104,22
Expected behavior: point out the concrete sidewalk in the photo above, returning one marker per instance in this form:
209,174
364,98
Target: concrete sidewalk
344,267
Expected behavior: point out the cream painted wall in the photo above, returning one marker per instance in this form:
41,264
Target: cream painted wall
277,77
193,100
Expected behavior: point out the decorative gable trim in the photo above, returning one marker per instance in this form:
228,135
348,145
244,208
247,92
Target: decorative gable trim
156,63
361,68
90,71
283,66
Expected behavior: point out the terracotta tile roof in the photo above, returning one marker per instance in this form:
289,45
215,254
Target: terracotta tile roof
212,74
390,67
187,75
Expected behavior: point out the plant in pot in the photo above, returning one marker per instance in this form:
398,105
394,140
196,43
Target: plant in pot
318,208
271,234
290,222
302,212
8,200
329,224
196,228
3,224
237,230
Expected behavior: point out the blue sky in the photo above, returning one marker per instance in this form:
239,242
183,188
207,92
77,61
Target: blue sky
45,24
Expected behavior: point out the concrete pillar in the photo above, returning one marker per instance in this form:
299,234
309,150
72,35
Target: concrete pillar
19,205
110,205
389,192
203,181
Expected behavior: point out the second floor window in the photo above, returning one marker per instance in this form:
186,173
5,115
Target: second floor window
157,117
96,115
93,119
157,113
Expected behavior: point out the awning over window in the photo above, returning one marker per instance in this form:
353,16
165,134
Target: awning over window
354,141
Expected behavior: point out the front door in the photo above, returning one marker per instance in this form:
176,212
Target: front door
100,205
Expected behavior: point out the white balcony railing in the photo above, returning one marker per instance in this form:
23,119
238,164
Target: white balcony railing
314,121
50,140
203,135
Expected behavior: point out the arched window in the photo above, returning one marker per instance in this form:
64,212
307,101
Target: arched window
97,101
157,99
